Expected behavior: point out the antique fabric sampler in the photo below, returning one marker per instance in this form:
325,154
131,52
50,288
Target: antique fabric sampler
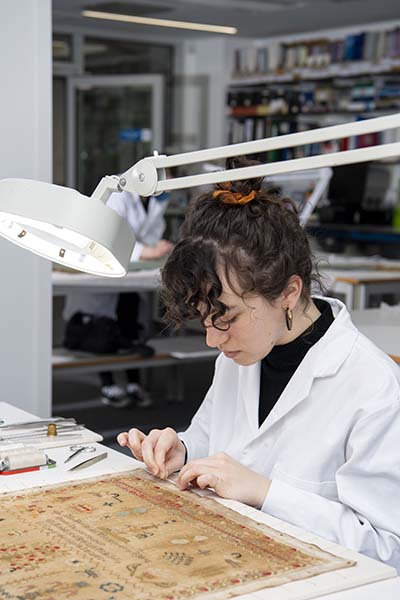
132,537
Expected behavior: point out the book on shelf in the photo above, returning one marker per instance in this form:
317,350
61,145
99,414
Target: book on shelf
248,129
354,95
363,46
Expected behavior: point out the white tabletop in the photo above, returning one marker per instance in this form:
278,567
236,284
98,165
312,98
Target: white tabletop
343,262
149,280
386,589
358,276
137,281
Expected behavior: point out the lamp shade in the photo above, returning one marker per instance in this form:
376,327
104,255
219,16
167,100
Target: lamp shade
65,226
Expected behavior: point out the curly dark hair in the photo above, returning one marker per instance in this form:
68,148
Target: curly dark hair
261,244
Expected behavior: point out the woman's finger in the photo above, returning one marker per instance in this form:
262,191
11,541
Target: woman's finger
207,480
160,452
204,463
135,441
193,472
147,448
122,438
165,444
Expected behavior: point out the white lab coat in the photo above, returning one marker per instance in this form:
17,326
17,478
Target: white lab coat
148,228
331,444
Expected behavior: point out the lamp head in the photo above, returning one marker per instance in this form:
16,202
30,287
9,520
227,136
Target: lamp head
65,226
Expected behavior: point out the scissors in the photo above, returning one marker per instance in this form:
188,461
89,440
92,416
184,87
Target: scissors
77,450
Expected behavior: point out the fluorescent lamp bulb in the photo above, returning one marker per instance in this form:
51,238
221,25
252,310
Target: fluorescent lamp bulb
94,14
74,230
53,243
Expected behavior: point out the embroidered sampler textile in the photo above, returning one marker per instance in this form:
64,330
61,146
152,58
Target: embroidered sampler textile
132,537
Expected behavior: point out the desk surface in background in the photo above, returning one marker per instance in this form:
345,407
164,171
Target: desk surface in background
135,281
343,262
358,276
149,279
359,285
387,589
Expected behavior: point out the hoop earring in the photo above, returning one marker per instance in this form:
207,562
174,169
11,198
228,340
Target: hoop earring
289,318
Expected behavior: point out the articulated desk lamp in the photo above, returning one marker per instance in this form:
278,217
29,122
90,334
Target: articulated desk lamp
83,233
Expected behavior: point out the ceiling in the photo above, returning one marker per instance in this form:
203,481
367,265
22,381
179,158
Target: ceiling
253,18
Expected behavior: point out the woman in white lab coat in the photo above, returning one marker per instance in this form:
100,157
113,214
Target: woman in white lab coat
302,419
146,219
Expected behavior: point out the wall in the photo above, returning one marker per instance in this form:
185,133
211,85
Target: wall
204,57
25,151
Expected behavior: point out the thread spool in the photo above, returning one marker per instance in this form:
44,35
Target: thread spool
51,429
18,449
22,459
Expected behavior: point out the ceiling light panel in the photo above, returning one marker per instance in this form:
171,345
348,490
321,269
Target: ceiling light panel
206,27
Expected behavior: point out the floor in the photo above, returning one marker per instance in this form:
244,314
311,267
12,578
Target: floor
79,397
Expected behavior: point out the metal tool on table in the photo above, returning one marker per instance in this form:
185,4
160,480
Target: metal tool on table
40,428
46,433
89,462
77,449
37,423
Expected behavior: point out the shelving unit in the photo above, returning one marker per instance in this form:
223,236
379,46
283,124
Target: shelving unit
287,85
281,87
345,69
352,75
258,110
329,55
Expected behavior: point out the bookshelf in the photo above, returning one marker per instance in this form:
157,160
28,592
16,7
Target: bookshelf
256,112
332,55
285,86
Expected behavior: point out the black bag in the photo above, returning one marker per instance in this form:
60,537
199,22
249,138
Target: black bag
90,333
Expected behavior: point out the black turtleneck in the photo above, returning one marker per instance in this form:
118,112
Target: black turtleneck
279,366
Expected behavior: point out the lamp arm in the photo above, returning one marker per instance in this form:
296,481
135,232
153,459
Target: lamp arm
290,140
106,186
147,177
320,187
332,159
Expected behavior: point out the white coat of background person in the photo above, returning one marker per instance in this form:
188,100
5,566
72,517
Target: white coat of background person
325,456
148,226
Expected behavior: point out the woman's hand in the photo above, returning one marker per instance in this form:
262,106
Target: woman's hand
228,477
159,250
161,450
